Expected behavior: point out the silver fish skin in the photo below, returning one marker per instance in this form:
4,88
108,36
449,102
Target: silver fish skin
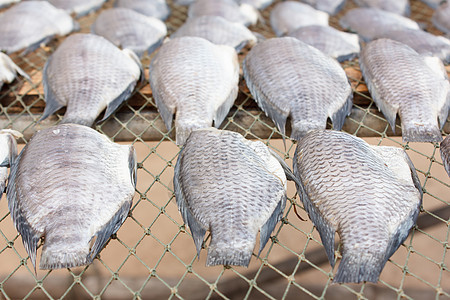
218,31
372,22
287,16
244,14
337,44
331,7
22,25
422,42
130,30
8,154
400,7
402,81
258,4
195,80
369,195
56,164
87,73
151,8
4,3
290,78
445,154
441,18
232,187
78,7
8,70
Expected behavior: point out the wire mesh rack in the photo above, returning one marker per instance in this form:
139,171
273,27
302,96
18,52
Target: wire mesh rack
153,255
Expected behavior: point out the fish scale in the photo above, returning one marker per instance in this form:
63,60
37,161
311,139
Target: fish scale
404,82
369,195
154,8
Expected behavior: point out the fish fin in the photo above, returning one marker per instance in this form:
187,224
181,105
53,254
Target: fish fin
166,111
72,255
52,104
347,57
425,133
228,257
116,103
325,229
197,230
224,108
155,46
360,267
36,45
443,114
108,229
30,237
338,117
289,174
132,166
12,67
270,224
130,53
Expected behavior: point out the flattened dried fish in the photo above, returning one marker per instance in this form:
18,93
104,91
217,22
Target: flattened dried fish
56,165
88,74
369,195
79,7
340,45
423,42
22,26
400,7
441,18
8,70
372,22
228,9
404,82
329,6
234,188
196,80
130,30
290,78
8,153
445,154
154,8
287,16
218,31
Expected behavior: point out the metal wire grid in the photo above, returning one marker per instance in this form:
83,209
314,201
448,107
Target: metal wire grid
153,256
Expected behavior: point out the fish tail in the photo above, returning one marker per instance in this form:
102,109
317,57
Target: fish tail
421,133
301,128
80,120
58,256
185,127
360,267
234,253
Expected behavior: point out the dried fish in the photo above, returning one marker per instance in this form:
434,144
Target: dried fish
441,17
8,153
8,70
154,8
79,7
400,7
331,7
445,154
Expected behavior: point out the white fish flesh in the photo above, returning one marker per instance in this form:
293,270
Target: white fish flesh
87,74
369,195
8,70
218,31
400,7
290,78
151,8
372,22
232,187
421,41
331,7
23,27
337,44
8,153
441,18
228,9
70,184
402,81
445,154
287,16
128,29
196,80
78,7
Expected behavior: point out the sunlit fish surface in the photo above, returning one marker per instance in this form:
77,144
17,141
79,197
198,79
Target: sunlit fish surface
88,74
289,78
445,154
195,80
259,4
423,42
78,7
128,29
8,153
8,70
402,81
4,3
329,6
337,44
24,27
369,195
151,8
372,22
287,16
58,164
229,9
441,18
400,7
218,31
232,187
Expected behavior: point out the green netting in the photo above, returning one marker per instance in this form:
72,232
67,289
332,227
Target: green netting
153,255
